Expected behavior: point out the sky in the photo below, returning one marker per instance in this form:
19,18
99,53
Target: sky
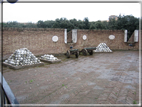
33,12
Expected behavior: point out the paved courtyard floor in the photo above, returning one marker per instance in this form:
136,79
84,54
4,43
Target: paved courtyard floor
103,78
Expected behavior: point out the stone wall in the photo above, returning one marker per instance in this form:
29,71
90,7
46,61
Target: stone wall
69,36
38,41
95,37
132,41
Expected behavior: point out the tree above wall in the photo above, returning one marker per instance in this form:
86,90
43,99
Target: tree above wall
127,22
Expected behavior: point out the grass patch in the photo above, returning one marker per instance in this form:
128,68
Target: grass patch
31,81
134,102
64,85
64,59
80,53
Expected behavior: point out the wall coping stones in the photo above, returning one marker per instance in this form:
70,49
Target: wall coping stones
32,29
47,29
97,30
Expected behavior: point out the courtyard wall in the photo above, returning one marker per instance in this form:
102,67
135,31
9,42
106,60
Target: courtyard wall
95,37
39,40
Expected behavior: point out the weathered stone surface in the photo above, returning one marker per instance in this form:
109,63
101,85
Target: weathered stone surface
75,81
39,40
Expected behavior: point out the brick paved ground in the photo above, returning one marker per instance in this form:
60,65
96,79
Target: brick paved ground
104,78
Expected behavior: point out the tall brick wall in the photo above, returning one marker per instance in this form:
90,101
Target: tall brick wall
136,44
131,39
95,37
38,41
69,36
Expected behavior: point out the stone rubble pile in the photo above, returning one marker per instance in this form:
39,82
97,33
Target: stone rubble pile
22,57
49,57
102,47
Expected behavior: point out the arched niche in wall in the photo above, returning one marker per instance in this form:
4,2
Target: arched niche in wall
111,37
84,37
74,35
65,35
55,38
136,35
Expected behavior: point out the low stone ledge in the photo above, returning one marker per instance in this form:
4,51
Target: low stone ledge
20,67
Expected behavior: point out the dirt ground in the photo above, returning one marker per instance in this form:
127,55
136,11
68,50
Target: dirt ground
103,78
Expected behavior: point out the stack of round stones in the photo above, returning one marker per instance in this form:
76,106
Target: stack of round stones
102,47
22,57
49,57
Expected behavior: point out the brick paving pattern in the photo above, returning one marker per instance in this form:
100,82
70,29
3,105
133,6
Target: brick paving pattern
104,78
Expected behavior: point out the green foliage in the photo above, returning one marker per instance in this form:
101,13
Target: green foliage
41,24
134,102
86,23
127,22
112,24
15,24
99,25
31,81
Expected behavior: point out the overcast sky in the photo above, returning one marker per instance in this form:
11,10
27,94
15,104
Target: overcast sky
33,12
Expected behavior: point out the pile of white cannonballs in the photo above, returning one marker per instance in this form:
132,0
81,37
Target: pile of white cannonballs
102,47
22,57
49,57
